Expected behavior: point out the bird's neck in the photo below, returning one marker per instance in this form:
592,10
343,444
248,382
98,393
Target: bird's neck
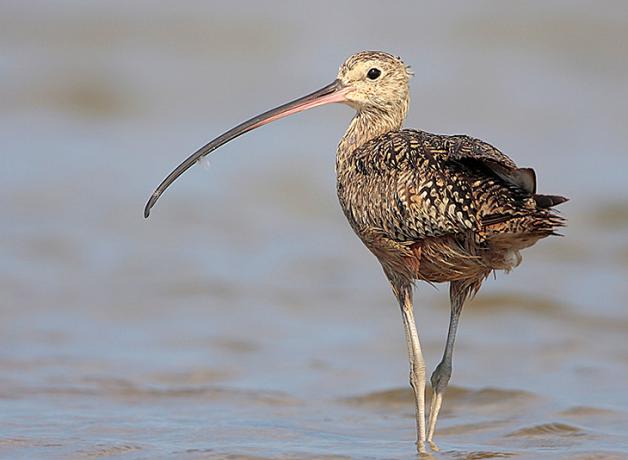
366,126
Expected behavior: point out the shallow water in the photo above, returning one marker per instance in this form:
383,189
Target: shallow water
244,320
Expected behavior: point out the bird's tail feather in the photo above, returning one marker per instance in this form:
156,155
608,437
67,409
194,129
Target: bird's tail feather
549,201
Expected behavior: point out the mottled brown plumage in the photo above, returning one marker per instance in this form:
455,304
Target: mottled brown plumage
430,207
448,197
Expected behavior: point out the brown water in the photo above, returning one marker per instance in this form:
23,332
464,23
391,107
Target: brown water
244,319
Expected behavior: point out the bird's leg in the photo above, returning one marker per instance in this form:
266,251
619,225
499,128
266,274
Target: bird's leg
458,291
417,364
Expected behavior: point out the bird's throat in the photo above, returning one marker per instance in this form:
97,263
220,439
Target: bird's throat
365,126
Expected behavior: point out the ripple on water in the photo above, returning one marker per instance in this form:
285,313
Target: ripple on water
210,454
552,429
393,398
104,450
480,455
201,392
490,395
122,389
472,428
457,396
399,398
196,376
586,412
597,455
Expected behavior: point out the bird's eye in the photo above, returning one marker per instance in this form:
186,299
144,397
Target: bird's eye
374,73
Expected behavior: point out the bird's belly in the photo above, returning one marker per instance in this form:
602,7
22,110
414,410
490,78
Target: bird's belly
434,259
451,258
447,259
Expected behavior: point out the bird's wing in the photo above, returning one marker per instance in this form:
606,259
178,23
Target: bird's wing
415,185
500,191
466,148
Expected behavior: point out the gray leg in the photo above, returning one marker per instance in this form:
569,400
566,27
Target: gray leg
459,291
417,364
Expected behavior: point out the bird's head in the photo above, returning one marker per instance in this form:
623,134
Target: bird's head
375,81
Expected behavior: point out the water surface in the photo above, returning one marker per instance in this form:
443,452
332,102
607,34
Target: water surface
244,319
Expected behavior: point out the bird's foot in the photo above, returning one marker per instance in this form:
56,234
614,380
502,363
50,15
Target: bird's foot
423,453
433,446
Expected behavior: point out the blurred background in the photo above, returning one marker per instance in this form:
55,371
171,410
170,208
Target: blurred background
244,318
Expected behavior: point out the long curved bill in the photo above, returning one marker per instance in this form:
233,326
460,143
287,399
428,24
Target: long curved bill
334,92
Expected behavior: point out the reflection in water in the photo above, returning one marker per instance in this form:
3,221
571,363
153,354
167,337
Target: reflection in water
245,319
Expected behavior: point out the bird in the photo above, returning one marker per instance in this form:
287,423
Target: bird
430,207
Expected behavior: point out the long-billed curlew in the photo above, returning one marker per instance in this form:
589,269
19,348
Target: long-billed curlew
429,207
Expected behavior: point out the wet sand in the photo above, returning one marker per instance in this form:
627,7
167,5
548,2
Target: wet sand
244,319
